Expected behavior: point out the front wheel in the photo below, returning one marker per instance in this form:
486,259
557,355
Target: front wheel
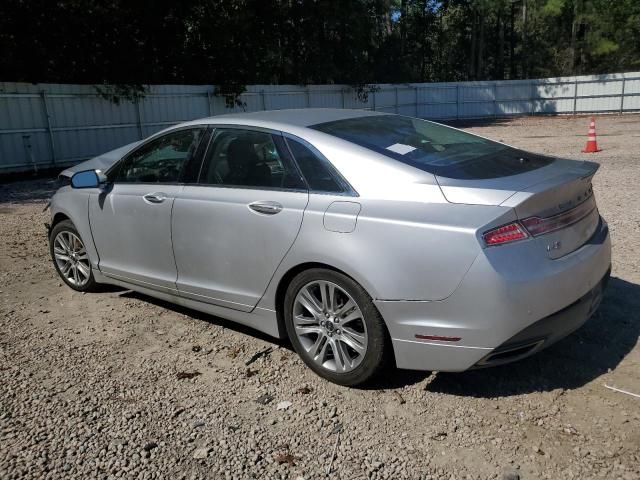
335,327
70,257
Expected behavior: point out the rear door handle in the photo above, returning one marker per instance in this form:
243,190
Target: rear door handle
155,197
266,208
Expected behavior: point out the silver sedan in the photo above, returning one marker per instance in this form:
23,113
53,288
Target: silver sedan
367,239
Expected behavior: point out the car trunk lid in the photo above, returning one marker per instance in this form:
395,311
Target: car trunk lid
555,203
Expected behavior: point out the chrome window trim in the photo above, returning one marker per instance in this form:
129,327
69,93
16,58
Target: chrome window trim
212,138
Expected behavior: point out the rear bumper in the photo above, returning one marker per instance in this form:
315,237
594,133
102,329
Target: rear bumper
547,331
510,305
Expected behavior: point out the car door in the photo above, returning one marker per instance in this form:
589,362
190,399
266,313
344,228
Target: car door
234,225
131,217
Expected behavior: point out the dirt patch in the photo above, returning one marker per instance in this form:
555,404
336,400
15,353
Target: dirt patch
104,385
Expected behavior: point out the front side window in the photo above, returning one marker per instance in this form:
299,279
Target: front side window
434,148
248,158
161,160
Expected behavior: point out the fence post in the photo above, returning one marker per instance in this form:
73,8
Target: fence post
495,103
622,96
373,93
342,95
397,102
138,118
308,97
47,116
575,96
210,106
26,143
263,100
457,101
416,101
532,89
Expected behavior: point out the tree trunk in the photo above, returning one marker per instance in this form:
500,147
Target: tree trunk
403,26
499,70
479,63
423,55
512,43
472,52
525,52
574,37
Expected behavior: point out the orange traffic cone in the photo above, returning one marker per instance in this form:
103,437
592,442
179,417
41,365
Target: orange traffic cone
592,144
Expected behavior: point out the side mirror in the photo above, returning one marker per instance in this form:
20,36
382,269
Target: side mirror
88,179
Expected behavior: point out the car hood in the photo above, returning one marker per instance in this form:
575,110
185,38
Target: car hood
101,162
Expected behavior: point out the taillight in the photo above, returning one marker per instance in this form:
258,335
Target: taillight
505,234
539,226
534,226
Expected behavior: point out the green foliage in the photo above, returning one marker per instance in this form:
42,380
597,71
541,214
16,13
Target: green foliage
553,7
118,92
120,45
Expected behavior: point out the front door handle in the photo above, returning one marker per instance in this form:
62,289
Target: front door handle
155,197
266,208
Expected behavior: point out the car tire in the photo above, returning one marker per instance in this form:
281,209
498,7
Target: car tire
66,242
376,356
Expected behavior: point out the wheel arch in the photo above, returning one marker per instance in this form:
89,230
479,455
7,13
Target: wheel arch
59,217
286,279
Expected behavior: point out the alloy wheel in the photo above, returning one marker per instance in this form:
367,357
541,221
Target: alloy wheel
71,258
330,326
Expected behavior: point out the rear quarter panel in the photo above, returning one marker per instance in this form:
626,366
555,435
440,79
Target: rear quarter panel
399,250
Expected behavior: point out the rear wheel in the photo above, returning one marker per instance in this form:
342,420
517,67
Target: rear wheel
335,327
70,257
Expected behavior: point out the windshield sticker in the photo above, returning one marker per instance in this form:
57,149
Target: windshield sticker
401,148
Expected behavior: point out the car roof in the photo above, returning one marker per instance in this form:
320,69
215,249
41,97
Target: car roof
284,119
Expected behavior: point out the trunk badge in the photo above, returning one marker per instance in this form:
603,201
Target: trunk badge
554,246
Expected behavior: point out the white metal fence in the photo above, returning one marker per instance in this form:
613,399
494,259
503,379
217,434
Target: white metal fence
53,125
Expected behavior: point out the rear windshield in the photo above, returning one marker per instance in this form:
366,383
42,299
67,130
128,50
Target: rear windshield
434,148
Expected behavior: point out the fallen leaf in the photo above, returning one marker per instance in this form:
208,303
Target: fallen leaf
264,399
256,356
399,397
234,352
285,458
187,375
178,411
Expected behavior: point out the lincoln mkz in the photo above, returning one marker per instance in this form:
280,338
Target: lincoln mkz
367,239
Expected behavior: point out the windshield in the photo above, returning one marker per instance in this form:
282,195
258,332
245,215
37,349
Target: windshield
434,148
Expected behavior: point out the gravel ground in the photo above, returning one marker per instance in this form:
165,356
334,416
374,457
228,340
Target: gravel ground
91,386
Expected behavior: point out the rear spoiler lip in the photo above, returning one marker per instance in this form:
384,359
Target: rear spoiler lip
595,167
520,196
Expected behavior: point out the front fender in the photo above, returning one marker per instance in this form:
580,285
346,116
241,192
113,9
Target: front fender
74,205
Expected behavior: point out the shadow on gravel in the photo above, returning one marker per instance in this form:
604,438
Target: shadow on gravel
212,319
390,379
574,361
571,363
28,191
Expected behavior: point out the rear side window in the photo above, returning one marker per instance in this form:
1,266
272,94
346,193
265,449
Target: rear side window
434,148
315,169
249,158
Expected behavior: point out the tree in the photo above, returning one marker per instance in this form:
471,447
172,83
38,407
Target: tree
232,43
